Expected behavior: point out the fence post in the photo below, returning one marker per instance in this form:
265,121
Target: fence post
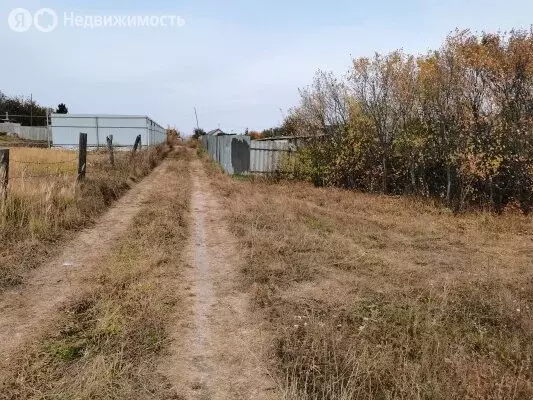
109,140
82,158
48,128
137,143
4,172
97,123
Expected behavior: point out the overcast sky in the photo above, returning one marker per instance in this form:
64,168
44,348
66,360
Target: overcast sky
239,62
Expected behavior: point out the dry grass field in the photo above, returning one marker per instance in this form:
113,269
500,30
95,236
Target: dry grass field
375,297
351,296
44,200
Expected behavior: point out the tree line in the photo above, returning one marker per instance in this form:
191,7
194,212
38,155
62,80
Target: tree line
455,123
26,111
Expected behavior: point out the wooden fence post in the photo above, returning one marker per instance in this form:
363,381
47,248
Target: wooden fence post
109,140
137,143
48,129
82,158
4,172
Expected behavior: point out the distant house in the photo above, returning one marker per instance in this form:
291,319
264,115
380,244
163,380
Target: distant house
217,132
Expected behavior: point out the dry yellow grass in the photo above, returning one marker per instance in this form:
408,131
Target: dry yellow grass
37,173
44,200
375,297
13,141
37,155
106,343
367,297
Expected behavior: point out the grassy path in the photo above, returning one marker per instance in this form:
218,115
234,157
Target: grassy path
218,353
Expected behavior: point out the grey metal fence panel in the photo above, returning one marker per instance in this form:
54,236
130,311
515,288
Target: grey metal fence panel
219,150
10,128
239,154
41,133
223,152
266,156
222,159
212,147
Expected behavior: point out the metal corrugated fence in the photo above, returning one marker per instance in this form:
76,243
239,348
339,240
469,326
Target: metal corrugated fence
239,154
267,156
124,128
40,133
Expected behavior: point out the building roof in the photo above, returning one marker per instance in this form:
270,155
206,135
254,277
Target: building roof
216,132
56,116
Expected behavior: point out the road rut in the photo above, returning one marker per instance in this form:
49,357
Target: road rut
218,352
27,309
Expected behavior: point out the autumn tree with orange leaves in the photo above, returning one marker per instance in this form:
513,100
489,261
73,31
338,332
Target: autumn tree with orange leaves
456,123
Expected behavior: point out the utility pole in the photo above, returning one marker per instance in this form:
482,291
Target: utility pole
196,114
31,109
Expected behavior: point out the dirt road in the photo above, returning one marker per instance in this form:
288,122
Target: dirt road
219,348
25,311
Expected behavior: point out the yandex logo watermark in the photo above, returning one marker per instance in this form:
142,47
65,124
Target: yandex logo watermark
44,20
47,20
